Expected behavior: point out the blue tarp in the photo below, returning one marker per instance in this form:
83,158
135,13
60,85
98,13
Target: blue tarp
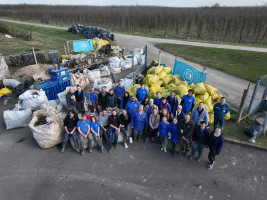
80,46
188,73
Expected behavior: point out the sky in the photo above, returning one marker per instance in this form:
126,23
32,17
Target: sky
172,3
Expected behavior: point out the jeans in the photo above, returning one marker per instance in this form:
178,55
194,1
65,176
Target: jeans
184,145
119,102
151,132
137,133
198,147
80,107
212,158
97,139
220,121
94,105
124,131
104,133
113,133
164,140
68,136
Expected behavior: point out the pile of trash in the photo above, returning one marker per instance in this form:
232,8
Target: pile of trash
54,56
27,58
91,32
160,79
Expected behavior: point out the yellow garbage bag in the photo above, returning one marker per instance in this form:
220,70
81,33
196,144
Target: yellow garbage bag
209,100
178,76
152,93
155,87
176,81
227,116
192,86
211,118
5,91
164,90
129,89
165,94
211,90
153,79
171,85
160,82
204,97
219,97
215,97
151,70
183,83
162,75
199,89
209,107
168,79
179,99
197,102
167,70
181,90
158,69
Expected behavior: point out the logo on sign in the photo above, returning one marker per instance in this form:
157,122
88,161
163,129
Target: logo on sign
83,45
188,75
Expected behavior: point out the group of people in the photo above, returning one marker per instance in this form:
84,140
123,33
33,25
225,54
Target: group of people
161,120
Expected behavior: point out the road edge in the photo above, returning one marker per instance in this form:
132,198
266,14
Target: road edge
237,142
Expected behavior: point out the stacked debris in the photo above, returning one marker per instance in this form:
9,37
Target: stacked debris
4,72
54,56
27,58
92,32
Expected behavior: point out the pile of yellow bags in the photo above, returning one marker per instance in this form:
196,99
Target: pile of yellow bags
160,79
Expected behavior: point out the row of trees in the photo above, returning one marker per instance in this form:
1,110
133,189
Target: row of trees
231,24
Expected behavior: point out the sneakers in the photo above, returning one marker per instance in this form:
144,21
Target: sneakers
162,149
131,140
125,146
198,159
109,151
63,148
190,157
210,166
165,149
90,150
115,146
82,152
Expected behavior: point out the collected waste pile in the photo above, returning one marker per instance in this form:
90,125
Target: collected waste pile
27,58
4,71
160,79
54,56
91,32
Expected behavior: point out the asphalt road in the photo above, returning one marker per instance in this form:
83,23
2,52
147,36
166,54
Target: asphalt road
230,86
140,172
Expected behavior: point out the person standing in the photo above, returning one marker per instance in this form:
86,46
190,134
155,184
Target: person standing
154,120
132,106
119,92
165,113
95,134
80,100
220,110
200,139
216,141
83,127
188,101
141,92
102,98
92,100
158,99
125,99
139,123
200,114
150,107
71,101
104,126
70,123
145,102
114,129
165,105
173,132
173,101
185,128
179,113
125,121
111,99
163,133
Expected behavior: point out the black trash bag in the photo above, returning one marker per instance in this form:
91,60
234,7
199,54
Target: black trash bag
254,131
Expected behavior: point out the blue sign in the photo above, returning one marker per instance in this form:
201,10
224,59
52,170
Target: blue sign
80,46
188,73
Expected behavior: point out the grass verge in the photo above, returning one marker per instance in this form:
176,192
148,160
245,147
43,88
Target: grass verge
243,64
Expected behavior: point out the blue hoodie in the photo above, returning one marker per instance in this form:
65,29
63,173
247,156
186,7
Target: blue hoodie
139,122
132,108
141,93
173,130
220,110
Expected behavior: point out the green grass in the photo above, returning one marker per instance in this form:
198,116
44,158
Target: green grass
243,64
44,39
235,131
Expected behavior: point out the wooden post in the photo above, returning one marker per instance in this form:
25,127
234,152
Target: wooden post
159,58
66,52
34,55
242,103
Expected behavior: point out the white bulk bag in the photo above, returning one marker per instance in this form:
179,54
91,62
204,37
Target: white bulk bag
34,99
62,96
10,83
17,118
99,83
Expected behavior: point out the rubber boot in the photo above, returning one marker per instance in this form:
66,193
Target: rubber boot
77,147
63,148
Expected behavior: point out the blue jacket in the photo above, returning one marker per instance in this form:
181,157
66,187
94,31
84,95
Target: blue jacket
204,116
187,103
220,110
141,93
119,91
167,106
139,122
157,101
132,108
173,130
216,144
163,129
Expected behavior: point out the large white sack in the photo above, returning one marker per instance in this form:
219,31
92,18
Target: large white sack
55,107
92,75
127,82
130,59
50,134
116,62
62,96
114,69
125,65
17,118
34,99
11,83
104,70
99,83
141,60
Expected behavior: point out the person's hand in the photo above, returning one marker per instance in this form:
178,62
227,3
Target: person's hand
119,130
85,136
70,108
71,132
68,132
183,138
105,129
122,125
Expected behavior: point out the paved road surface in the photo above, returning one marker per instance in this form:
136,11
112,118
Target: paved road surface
140,172
231,87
